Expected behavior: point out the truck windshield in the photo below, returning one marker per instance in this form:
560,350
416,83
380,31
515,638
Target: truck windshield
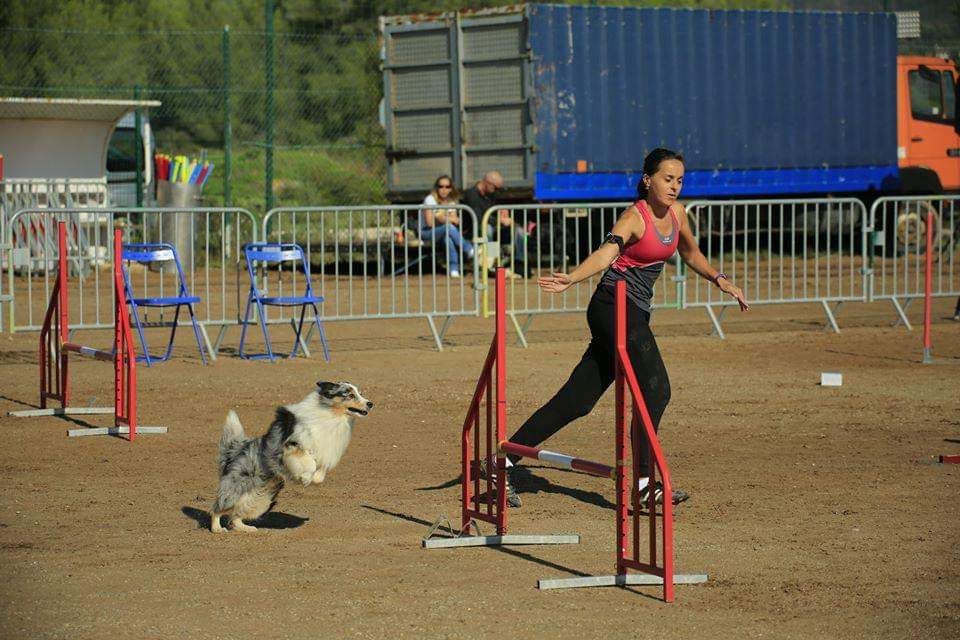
933,98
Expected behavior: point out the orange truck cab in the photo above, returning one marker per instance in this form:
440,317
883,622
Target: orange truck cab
928,130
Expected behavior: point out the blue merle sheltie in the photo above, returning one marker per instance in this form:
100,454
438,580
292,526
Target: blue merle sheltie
304,442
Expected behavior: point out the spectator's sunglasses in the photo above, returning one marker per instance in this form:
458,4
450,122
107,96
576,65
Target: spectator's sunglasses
492,186
445,186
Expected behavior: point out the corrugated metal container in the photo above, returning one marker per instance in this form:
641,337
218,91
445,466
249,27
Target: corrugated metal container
565,101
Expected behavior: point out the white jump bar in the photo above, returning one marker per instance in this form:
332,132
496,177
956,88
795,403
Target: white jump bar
112,431
619,581
490,541
60,411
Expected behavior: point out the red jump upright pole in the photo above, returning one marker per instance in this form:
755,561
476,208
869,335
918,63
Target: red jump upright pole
491,381
501,363
55,348
928,290
483,496
54,381
628,555
124,356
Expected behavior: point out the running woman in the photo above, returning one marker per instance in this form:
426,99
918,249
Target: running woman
643,238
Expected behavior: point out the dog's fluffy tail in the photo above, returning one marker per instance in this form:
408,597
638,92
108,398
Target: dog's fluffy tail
232,434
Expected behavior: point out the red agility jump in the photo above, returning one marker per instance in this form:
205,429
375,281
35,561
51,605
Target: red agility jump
484,498
55,348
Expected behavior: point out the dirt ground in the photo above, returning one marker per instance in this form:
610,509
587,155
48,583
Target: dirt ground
816,512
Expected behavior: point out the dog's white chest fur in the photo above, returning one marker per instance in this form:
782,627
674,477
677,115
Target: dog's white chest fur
321,433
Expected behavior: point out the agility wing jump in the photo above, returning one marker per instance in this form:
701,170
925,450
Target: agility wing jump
484,497
55,349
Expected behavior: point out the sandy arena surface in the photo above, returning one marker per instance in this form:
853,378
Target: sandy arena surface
817,512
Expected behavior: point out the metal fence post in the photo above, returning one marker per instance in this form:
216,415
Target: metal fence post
268,109
138,144
227,122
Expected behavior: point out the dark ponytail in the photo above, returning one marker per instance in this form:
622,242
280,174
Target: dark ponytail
651,164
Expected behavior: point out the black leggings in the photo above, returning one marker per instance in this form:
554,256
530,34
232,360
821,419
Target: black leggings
595,372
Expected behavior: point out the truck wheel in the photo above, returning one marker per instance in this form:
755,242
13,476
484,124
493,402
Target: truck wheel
911,229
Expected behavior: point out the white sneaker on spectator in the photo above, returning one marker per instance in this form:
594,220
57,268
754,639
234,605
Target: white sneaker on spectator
454,274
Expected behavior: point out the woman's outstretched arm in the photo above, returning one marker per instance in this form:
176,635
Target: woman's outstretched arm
628,226
690,253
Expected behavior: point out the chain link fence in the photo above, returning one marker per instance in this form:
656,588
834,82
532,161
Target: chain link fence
288,119
312,105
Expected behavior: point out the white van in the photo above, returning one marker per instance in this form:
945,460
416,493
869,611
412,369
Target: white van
122,162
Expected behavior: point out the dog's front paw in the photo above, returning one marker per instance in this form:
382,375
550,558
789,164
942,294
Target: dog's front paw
238,525
319,475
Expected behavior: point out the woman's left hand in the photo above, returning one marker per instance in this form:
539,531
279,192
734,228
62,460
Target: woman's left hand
556,283
728,287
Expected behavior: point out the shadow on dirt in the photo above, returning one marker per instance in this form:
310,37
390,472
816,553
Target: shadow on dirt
28,405
451,532
524,481
271,520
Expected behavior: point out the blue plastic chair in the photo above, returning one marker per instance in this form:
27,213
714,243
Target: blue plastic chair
159,252
272,253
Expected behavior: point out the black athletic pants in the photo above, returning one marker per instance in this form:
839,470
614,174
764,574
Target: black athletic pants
595,372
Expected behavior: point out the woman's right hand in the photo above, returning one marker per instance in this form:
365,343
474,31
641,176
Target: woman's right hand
555,283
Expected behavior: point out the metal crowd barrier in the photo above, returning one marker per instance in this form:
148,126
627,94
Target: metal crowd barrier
544,238
375,262
5,298
208,239
898,227
781,251
46,193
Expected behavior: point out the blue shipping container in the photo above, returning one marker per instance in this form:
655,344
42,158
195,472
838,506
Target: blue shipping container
759,102
565,101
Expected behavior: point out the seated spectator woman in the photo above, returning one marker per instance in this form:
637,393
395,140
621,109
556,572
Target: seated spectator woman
439,223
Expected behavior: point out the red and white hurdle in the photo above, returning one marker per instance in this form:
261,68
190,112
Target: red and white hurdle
55,348
559,459
485,499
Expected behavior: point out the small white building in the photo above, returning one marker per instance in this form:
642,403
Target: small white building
55,156
55,149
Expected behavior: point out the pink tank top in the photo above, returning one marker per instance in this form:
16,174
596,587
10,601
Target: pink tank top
652,247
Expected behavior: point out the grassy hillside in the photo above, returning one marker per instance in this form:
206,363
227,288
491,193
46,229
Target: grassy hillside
302,177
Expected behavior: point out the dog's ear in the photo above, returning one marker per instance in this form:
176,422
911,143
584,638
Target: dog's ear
328,389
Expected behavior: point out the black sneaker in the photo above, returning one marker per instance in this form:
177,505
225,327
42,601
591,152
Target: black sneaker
679,495
513,498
